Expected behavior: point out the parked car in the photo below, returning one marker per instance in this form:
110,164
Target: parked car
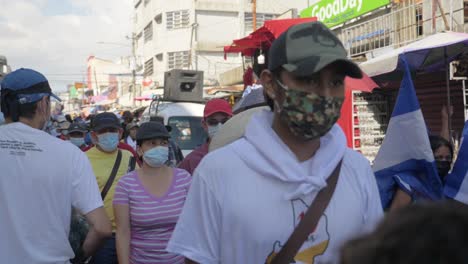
184,120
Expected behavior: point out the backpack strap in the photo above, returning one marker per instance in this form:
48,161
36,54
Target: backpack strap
111,179
311,219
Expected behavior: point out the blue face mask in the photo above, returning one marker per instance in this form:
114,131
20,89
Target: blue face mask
157,156
77,141
213,130
108,141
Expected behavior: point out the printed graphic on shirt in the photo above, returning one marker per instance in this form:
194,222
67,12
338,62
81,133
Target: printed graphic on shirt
18,148
317,242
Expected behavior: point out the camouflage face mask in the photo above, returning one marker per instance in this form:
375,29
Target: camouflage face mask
308,114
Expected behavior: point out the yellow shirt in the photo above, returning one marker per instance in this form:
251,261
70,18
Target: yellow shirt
102,164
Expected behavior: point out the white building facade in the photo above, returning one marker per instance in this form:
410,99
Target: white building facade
191,34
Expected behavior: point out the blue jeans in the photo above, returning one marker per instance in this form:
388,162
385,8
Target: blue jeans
107,254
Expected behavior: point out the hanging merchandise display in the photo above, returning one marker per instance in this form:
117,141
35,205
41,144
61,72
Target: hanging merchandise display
371,112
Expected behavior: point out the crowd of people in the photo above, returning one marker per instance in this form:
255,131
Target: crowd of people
286,189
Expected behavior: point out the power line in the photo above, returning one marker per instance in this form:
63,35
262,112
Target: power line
82,74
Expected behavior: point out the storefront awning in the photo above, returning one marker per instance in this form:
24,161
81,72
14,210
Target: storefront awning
428,54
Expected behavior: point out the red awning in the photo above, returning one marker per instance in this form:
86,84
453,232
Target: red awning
272,29
264,36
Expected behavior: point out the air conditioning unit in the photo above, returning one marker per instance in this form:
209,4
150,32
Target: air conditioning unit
183,85
459,69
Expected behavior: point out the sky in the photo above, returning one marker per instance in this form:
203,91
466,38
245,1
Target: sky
56,37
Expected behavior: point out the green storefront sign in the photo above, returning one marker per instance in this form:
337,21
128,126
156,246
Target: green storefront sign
335,12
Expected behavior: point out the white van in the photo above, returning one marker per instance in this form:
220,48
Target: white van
185,120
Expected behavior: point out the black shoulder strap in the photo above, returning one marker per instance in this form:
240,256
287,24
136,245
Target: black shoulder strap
310,220
131,164
109,182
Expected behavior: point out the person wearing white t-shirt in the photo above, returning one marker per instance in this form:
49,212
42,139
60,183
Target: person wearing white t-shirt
247,197
42,178
131,130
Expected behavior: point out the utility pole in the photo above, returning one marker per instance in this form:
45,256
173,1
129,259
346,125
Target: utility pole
254,15
434,11
134,58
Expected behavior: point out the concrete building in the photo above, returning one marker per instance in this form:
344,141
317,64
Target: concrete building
190,34
109,82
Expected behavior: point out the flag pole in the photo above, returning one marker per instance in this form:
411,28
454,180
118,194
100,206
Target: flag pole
449,103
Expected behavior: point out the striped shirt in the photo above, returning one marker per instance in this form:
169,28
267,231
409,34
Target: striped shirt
152,219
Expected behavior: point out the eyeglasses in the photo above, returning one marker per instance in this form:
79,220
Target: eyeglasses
215,122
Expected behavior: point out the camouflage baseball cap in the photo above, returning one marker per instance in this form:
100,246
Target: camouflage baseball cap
307,48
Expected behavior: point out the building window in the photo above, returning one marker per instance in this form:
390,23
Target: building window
146,2
158,19
248,60
148,67
159,56
419,20
261,18
148,32
177,19
178,60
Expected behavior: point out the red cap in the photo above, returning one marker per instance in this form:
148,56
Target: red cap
217,106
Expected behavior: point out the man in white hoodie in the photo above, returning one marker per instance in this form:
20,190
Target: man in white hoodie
247,197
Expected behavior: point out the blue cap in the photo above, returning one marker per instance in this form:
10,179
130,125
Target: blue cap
27,85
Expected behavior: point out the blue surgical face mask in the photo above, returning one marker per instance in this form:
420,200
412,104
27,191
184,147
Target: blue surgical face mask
77,141
108,141
157,156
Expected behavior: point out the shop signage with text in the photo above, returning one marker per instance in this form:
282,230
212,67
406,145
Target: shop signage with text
335,12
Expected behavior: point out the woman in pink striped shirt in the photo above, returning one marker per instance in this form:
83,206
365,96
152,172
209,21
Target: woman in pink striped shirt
149,200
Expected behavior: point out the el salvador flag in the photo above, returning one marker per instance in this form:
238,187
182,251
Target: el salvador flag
456,185
405,159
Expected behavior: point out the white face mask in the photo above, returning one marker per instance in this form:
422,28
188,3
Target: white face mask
213,130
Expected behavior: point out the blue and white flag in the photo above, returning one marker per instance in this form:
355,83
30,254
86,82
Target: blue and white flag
405,159
456,184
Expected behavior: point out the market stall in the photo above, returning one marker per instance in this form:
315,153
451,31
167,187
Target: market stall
429,60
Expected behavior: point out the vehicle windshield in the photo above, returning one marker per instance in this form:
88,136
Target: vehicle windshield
187,131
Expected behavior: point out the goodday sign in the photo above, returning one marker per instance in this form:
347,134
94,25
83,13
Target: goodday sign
335,12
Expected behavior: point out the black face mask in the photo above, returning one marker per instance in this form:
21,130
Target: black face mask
443,167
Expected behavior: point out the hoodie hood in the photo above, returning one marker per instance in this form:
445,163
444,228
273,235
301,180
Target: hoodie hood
267,154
